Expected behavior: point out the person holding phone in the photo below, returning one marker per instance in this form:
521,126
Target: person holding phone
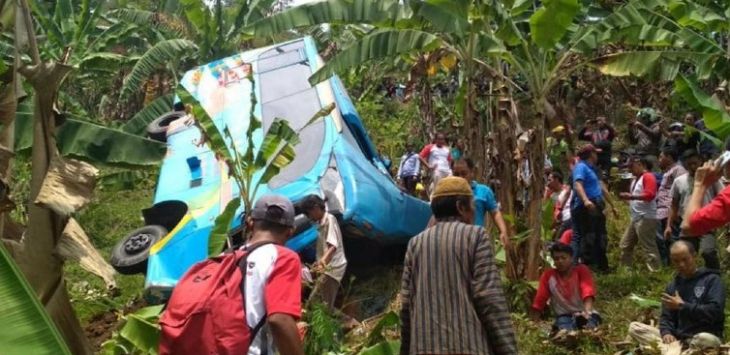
699,220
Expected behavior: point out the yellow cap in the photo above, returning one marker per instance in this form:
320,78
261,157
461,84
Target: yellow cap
452,186
558,129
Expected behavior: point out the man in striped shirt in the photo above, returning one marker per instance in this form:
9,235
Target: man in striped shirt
451,293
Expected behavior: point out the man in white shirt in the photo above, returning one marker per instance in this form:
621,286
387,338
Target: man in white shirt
437,157
331,263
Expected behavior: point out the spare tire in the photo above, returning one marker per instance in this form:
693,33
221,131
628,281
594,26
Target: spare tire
157,129
130,255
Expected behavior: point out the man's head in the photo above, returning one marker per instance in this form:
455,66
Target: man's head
409,147
667,158
601,120
639,165
692,160
464,168
274,214
683,255
562,255
439,139
555,181
690,118
589,153
453,198
314,207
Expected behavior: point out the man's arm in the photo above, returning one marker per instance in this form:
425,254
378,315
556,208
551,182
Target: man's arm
405,299
668,318
489,301
286,336
501,226
541,297
671,217
705,177
584,135
582,195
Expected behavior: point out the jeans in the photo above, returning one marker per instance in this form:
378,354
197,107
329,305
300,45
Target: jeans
590,238
571,322
663,245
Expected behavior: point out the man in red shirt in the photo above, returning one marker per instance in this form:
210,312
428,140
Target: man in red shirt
273,279
642,203
570,290
700,220
437,158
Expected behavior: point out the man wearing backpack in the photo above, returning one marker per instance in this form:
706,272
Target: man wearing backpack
273,280
217,308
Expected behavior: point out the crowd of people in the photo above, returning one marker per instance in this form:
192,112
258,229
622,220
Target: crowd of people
452,299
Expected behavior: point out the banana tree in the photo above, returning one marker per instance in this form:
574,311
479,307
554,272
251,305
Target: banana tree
38,254
194,29
252,168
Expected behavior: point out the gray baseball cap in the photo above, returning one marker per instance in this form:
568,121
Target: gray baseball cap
275,209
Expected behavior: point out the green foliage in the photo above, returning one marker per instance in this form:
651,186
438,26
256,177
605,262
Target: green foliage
219,234
390,319
30,330
381,44
256,166
156,57
714,113
324,333
90,141
140,333
384,348
645,303
550,23
138,123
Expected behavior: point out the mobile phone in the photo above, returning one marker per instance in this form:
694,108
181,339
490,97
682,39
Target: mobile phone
723,159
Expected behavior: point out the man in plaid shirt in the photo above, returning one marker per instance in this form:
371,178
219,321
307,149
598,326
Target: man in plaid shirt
450,304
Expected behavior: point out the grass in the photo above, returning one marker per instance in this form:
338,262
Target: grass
110,215
613,301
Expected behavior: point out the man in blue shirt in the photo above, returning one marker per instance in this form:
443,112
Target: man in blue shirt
589,233
484,200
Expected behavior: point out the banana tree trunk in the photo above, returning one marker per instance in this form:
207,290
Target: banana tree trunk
426,110
536,157
39,258
505,169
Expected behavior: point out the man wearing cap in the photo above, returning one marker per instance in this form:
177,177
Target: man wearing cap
451,291
273,279
589,223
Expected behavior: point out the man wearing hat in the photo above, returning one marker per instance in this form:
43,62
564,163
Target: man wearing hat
601,135
273,281
558,150
451,291
589,233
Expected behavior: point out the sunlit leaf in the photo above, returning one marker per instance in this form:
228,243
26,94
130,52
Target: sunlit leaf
716,117
550,23
219,234
29,329
645,303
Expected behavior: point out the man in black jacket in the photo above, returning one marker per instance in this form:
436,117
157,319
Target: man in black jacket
694,302
693,305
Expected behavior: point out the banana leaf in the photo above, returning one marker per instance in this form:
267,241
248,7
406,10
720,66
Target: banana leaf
29,329
550,23
716,117
222,224
89,141
138,123
381,44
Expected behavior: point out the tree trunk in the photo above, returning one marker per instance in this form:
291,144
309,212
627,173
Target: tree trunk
536,157
426,110
38,258
505,167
